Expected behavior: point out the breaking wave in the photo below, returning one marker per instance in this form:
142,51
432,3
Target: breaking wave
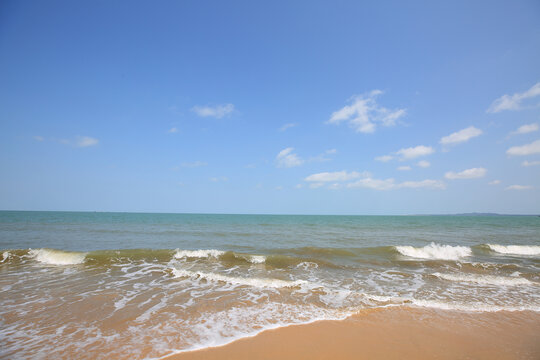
255,282
57,257
435,252
515,249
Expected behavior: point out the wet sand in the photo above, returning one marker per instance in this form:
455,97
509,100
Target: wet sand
395,333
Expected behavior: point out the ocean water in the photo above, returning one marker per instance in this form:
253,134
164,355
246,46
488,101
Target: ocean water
140,286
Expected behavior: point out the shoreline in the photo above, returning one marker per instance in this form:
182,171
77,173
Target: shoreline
390,333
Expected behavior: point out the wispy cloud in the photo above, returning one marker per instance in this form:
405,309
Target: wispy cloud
287,159
86,141
460,136
525,129
173,130
384,158
217,111
194,164
527,149
324,156
287,126
38,138
341,179
390,184
363,114
530,163
335,176
466,174
423,164
519,187
404,168
494,182
414,152
514,102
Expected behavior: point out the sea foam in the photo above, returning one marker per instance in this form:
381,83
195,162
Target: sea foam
57,257
435,252
180,254
484,279
515,249
255,282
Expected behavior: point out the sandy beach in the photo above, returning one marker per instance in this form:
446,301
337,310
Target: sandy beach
396,333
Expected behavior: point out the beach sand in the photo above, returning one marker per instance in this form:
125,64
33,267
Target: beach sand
392,333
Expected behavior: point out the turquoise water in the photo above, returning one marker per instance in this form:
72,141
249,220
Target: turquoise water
82,231
137,286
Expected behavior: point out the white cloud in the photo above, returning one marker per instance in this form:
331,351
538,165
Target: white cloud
404,168
38,138
299,186
530,163
525,129
287,126
414,152
194,164
519,187
384,158
323,157
460,136
316,185
335,176
173,130
423,164
364,114
217,111
466,174
390,184
287,159
432,184
527,149
86,141
494,182
513,102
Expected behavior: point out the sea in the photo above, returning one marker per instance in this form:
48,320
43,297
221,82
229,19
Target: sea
95,285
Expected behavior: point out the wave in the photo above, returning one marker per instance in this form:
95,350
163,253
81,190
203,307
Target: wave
485,279
180,254
57,257
435,252
219,254
255,282
471,307
515,249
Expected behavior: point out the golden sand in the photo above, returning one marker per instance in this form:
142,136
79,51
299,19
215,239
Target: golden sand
397,333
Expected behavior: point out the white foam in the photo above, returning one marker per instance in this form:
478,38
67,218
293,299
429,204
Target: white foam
515,249
435,251
198,253
257,259
5,256
472,307
485,279
57,257
255,282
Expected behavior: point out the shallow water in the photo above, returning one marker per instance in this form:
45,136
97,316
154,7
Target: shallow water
118,285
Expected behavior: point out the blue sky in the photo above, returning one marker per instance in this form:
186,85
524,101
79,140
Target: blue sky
336,107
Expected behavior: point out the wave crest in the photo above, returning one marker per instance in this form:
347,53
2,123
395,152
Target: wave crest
255,282
435,252
515,249
57,257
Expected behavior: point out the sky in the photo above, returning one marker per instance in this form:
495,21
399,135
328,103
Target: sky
281,107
